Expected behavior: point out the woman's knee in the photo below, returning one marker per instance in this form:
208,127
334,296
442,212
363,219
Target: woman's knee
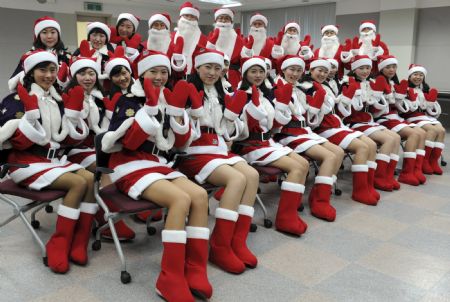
251,175
182,202
237,180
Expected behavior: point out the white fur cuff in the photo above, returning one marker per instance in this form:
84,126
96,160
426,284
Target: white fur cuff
173,236
226,214
197,232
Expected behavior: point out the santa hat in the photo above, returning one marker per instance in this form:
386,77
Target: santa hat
84,60
91,26
416,68
252,61
320,62
291,60
205,56
292,24
333,62
32,58
162,17
130,17
223,11
330,27
258,17
367,23
386,60
45,22
189,9
150,59
117,59
361,60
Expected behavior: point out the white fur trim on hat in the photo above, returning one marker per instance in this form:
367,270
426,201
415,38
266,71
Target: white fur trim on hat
369,25
320,63
224,11
253,61
330,27
130,17
190,11
153,61
333,62
44,24
82,63
38,57
387,62
293,62
292,24
116,62
361,62
416,69
208,58
159,17
100,25
258,17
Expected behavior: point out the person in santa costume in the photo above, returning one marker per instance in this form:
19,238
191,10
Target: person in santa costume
41,124
148,123
262,115
424,111
191,35
331,48
47,36
215,118
322,118
368,98
125,35
262,44
333,79
298,135
395,94
291,43
159,33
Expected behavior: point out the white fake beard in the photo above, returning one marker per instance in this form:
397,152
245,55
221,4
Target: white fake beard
158,39
290,44
366,39
330,46
260,37
221,25
190,32
227,37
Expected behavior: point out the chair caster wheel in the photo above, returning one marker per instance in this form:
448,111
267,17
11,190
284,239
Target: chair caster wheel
35,224
253,227
45,261
443,163
125,277
49,209
301,208
337,192
151,231
96,245
267,223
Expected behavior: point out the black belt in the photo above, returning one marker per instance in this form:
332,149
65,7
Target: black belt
296,124
151,148
49,153
205,129
259,136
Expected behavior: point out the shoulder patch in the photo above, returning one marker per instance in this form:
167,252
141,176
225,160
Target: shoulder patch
19,114
16,97
129,112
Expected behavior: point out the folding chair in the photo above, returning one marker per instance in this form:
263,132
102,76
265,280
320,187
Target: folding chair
126,205
39,200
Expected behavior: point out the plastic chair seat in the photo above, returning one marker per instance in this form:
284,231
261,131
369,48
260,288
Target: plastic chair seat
11,188
267,170
124,203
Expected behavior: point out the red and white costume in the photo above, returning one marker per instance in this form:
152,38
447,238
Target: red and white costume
331,49
263,46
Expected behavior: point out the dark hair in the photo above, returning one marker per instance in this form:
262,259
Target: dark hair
73,82
97,30
425,86
29,79
353,74
394,78
59,46
120,23
198,83
245,84
115,88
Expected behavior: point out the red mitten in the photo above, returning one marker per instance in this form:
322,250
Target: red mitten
179,44
379,85
110,105
255,96
238,32
235,104
283,95
213,36
30,103
115,38
196,98
356,44
134,42
306,41
152,96
73,102
85,49
402,88
376,41
249,42
316,101
432,95
63,72
412,96
347,46
349,91
176,99
279,38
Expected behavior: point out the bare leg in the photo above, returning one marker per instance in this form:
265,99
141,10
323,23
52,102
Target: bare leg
252,176
372,147
338,152
74,184
412,139
326,158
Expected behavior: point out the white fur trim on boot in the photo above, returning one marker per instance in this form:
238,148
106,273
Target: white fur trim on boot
429,144
323,180
409,154
420,152
226,214
292,187
197,232
174,236
395,157
334,178
371,164
360,168
383,157
246,210
88,207
67,212
439,145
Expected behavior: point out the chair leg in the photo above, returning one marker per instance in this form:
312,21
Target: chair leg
267,221
37,209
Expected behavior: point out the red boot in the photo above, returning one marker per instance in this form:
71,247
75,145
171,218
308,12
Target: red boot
123,231
58,247
391,171
382,181
171,284
196,261
435,157
78,251
220,252
407,175
287,219
219,193
156,215
239,242
420,154
372,166
426,167
360,187
319,201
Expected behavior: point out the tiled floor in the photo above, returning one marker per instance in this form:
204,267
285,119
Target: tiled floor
397,251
